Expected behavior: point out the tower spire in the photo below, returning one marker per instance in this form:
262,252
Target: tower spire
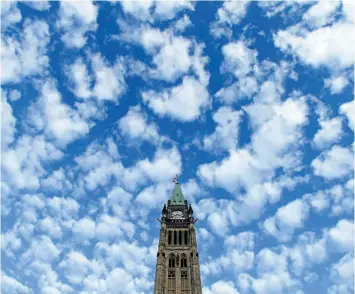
177,198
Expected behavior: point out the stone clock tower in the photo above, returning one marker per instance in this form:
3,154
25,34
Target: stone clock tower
177,269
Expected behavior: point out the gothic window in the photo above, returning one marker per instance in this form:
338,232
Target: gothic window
175,238
177,260
180,238
184,283
183,260
186,238
171,282
171,260
169,238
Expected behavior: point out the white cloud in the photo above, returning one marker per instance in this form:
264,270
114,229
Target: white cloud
23,164
42,249
58,180
50,226
154,11
342,236
238,58
184,102
11,285
239,256
155,195
84,229
280,131
182,23
225,136
218,223
221,287
320,14
110,228
75,266
99,163
172,55
14,95
231,13
75,20
10,243
347,109
8,123
134,126
62,208
287,219
273,275
334,163
322,47
319,201
59,120
241,62
336,84
241,241
330,132
10,14
78,72
38,5
342,275
109,81
25,56
168,10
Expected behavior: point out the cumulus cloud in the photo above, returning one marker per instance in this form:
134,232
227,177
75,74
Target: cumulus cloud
259,158
8,123
322,45
342,236
336,84
10,14
184,102
135,127
225,136
11,285
23,165
287,219
75,20
334,163
231,13
58,120
239,255
342,275
25,55
330,132
221,287
172,55
155,11
347,109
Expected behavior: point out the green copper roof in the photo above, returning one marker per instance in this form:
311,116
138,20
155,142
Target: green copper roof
177,198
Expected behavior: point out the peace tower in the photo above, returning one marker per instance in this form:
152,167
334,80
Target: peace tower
177,269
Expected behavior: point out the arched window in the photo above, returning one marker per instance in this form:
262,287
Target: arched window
183,260
186,238
180,238
171,260
175,238
169,238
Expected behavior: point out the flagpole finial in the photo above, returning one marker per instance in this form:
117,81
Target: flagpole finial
176,179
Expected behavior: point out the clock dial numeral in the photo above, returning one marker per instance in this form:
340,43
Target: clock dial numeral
177,215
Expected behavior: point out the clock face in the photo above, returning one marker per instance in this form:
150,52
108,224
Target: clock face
177,215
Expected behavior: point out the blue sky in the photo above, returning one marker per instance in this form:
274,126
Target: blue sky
250,102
